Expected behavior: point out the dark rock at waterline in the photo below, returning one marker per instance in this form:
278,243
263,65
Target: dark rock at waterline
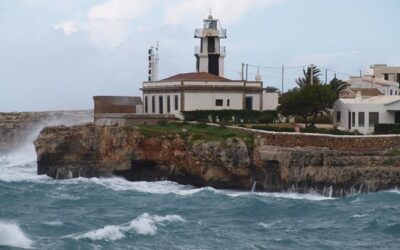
93,151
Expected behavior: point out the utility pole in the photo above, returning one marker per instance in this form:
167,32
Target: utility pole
242,71
312,74
326,76
247,71
283,76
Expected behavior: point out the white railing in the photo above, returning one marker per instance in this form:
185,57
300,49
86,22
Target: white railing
222,51
198,33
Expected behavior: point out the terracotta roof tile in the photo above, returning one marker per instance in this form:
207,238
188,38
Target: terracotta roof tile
200,76
367,91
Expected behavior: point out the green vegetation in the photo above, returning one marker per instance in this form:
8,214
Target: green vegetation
384,129
311,98
231,116
199,131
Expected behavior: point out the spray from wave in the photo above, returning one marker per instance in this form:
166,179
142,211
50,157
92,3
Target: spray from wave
12,235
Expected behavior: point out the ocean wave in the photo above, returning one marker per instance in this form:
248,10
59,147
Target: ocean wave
268,225
12,235
54,223
359,215
293,196
144,224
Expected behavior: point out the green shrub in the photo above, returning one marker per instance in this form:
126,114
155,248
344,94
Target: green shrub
321,119
385,128
231,116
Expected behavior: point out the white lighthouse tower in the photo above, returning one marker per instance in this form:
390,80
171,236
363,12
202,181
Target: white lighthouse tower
210,54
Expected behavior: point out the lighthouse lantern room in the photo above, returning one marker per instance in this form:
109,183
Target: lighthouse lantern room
210,54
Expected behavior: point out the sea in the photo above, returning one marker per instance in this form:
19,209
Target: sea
37,212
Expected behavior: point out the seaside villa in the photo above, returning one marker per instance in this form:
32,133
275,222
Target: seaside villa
367,101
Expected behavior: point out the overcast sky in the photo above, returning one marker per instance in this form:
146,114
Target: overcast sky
57,54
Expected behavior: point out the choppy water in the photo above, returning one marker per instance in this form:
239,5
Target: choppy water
41,213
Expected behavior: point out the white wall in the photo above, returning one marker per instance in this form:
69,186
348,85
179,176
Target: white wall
384,115
199,101
270,101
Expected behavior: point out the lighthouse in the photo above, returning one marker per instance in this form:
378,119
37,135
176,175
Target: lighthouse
210,54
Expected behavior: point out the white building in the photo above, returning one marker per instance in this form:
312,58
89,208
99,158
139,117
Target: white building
384,86
206,89
361,114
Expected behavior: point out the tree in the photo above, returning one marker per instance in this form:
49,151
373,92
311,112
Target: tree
308,101
306,79
271,89
337,86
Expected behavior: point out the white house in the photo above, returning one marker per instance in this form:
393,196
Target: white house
207,88
384,86
358,113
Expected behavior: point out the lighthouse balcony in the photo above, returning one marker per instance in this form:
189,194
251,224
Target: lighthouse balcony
221,51
200,33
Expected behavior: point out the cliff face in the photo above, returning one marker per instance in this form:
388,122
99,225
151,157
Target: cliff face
17,128
90,150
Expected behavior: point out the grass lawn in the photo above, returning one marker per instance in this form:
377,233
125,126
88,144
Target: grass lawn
196,131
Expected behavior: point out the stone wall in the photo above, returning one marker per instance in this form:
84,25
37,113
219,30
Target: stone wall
333,142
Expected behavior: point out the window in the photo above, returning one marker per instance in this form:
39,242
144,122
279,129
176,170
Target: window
168,104
391,92
361,119
353,119
338,116
146,104
219,102
160,105
153,104
373,118
395,92
176,102
386,76
228,102
398,78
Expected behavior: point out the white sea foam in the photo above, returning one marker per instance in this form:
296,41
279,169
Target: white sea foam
268,225
294,196
12,235
359,216
54,223
396,191
144,224
107,233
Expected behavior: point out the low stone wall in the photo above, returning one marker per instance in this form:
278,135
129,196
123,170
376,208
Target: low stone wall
361,143
123,119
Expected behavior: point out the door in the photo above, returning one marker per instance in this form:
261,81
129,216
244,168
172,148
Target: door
349,120
397,117
160,105
249,103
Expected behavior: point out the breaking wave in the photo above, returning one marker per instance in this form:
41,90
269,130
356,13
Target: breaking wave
12,235
144,224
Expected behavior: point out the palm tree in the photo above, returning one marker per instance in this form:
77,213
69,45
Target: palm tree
306,79
337,85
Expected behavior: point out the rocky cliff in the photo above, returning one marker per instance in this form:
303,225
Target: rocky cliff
17,128
90,150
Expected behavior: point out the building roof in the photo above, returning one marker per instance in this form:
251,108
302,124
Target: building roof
199,76
367,91
378,81
382,99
